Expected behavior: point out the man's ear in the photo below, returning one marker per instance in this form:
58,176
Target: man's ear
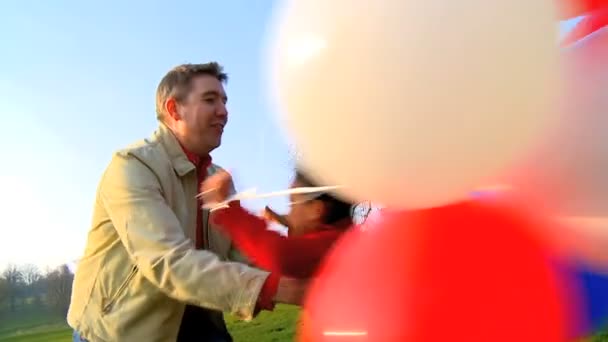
171,108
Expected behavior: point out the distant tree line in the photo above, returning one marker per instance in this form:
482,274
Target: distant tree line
24,286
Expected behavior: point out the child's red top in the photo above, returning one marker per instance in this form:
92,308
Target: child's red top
292,256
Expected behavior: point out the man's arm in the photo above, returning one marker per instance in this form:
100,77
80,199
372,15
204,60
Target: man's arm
154,239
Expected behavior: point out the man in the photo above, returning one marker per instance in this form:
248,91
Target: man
153,270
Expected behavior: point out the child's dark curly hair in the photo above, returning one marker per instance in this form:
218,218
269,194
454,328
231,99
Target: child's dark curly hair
337,210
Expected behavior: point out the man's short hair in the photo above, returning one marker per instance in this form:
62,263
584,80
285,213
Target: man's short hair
178,82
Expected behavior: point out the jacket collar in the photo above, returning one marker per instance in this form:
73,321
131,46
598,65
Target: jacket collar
179,160
199,161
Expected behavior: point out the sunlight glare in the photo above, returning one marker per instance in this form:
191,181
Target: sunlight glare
302,49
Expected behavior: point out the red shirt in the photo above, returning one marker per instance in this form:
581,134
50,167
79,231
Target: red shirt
202,164
293,256
269,288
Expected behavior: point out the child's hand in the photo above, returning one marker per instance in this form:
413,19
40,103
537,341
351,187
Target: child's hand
266,214
216,188
271,216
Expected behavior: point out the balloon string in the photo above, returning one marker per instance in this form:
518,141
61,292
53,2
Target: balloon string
251,195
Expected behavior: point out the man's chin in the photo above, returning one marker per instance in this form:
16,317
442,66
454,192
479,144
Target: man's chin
215,144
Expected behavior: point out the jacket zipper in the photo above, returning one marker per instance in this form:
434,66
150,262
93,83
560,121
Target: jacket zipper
108,306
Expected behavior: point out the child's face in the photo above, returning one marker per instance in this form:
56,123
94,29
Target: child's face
305,213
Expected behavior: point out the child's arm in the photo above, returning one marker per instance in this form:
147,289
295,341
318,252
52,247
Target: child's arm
291,256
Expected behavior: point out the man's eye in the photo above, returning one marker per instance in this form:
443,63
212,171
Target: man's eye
209,100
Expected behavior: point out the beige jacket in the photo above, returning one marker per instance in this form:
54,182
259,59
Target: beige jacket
140,267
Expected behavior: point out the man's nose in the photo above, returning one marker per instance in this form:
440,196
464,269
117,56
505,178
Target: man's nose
222,110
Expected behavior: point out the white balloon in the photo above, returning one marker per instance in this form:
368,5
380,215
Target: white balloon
568,172
413,103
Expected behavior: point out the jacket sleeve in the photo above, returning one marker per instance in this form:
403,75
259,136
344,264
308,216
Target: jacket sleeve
155,241
297,256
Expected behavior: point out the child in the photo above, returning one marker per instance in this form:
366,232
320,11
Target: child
315,222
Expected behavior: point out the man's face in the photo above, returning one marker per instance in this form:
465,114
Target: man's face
202,115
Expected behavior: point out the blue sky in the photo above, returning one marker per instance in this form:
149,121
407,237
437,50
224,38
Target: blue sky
78,82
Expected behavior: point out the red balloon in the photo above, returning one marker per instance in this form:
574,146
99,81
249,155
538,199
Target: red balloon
588,25
466,272
573,8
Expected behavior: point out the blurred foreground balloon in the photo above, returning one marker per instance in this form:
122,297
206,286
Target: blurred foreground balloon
465,272
574,8
429,96
577,239
579,250
587,25
568,171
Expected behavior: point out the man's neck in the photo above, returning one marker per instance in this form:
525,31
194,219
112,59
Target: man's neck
196,159
190,153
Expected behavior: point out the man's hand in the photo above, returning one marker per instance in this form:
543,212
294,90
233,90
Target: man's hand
217,187
291,291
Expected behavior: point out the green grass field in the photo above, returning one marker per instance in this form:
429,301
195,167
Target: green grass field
33,324
277,326
41,326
